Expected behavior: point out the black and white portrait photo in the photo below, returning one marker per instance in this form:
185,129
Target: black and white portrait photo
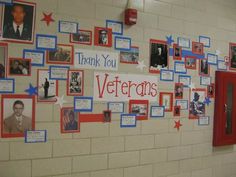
197,105
158,55
75,82
47,88
18,22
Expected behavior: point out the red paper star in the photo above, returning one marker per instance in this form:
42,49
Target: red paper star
177,124
48,18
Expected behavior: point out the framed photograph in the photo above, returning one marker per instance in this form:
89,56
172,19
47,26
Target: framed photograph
177,111
17,115
19,67
204,68
46,42
58,72
82,37
205,80
83,104
7,85
116,107
159,56
37,57
211,90
166,100
167,75
102,37
47,88
140,108
70,120
35,136
232,56
75,83
177,52
122,43
3,59
183,42
64,54
18,22
131,56
212,59
180,67
7,2
116,26
206,41
107,116
68,27
128,120
197,48
190,62
221,65
186,80
157,111
196,105
179,89
182,103
204,120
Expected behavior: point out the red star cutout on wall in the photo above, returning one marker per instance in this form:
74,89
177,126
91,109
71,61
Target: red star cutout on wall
47,18
177,125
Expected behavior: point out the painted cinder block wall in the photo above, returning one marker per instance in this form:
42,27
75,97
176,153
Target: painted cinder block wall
152,149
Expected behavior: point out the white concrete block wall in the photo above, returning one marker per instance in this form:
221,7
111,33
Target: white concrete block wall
152,149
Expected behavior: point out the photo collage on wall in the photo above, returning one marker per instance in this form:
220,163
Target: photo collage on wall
135,97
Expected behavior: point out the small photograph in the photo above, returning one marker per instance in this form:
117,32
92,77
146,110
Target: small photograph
158,56
177,55
131,56
197,106
190,62
197,48
179,88
69,120
140,108
211,90
177,110
103,37
75,82
82,37
232,55
47,88
3,59
18,22
166,100
107,116
19,67
18,115
63,55
204,68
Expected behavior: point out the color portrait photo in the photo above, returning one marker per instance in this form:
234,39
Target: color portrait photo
3,59
17,115
18,22
69,120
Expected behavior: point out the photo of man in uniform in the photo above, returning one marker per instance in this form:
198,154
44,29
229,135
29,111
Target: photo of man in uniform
197,106
158,56
18,22
17,122
69,120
